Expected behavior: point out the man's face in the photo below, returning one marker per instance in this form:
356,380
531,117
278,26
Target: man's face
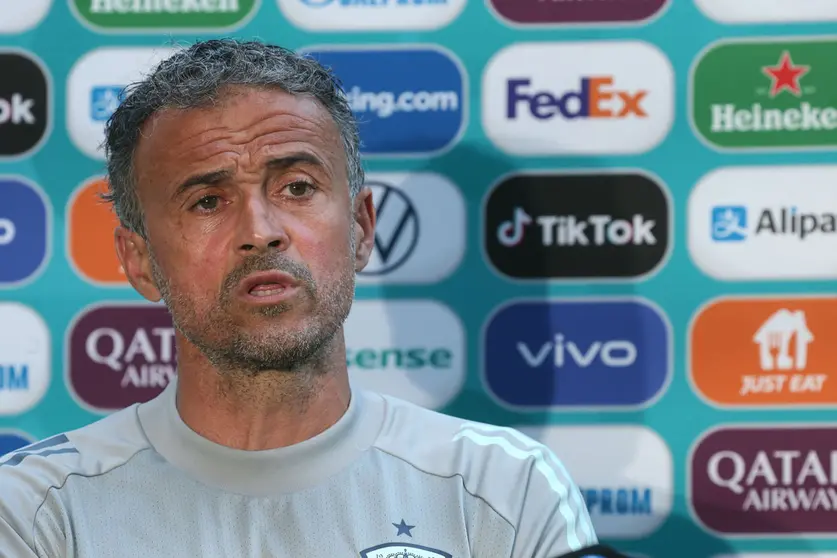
253,239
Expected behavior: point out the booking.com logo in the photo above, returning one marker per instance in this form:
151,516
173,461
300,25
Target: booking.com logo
386,103
415,106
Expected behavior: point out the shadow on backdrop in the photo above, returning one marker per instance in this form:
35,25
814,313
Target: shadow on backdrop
516,366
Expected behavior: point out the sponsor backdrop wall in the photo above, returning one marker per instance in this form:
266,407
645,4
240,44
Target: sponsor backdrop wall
610,224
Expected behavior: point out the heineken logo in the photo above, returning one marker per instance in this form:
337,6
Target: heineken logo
760,94
164,15
785,76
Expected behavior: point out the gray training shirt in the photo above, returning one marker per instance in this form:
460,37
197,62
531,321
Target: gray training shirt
388,480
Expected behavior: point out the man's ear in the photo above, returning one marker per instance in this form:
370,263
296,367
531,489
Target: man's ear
364,227
133,255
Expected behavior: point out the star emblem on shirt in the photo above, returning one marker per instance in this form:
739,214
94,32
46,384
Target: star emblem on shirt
404,529
785,75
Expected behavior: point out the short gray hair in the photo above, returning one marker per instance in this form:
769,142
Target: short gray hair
193,77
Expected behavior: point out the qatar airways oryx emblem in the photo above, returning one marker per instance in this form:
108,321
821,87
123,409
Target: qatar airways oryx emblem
401,550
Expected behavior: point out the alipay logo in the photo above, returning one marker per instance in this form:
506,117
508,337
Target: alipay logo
729,223
413,350
577,354
24,358
416,107
95,89
24,231
779,230
371,15
104,100
420,228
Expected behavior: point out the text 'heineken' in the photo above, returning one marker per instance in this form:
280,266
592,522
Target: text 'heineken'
164,14
163,6
760,94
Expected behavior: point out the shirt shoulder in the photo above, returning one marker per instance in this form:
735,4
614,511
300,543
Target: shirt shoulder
27,475
514,474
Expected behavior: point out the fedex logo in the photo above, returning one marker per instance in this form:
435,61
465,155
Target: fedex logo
578,98
596,97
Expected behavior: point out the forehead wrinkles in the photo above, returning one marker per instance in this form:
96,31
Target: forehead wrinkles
177,138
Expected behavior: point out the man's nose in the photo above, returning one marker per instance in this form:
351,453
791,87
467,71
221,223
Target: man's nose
261,226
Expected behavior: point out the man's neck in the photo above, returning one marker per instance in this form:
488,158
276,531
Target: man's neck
269,410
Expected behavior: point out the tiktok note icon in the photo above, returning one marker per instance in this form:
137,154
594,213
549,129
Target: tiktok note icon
510,233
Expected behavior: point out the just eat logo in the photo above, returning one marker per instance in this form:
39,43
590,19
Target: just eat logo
596,97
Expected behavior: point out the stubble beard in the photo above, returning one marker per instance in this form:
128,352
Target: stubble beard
232,349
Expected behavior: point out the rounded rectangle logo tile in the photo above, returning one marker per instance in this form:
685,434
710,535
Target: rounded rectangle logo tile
808,554
769,11
90,244
25,358
606,354
420,229
418,107
766,352
765,481
25,103
21,16
150,16
625,474
765,223
375,15
95,87
410,349
25,231
118,354
13,440
611,225
575,12
578,98
781,97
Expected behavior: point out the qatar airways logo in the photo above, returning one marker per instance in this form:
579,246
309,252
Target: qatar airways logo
776,480
121,354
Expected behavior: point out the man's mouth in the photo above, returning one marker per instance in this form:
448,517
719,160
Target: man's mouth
267,289
266,285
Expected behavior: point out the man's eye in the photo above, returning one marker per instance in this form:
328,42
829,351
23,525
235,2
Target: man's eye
207,203
299,189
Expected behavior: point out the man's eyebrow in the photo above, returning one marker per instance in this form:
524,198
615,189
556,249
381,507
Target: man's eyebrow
207,178
291,159
214,177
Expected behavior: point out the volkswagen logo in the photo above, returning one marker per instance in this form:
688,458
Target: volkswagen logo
396,229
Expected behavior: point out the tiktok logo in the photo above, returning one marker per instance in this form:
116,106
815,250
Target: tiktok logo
510,233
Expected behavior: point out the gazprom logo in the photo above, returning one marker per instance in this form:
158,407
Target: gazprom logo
14,377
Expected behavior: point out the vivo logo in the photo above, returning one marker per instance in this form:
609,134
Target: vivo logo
617,353
7,231
585,354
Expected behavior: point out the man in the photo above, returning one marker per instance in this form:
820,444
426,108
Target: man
234,170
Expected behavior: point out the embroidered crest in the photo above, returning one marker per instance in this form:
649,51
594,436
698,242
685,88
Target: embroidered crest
402,550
